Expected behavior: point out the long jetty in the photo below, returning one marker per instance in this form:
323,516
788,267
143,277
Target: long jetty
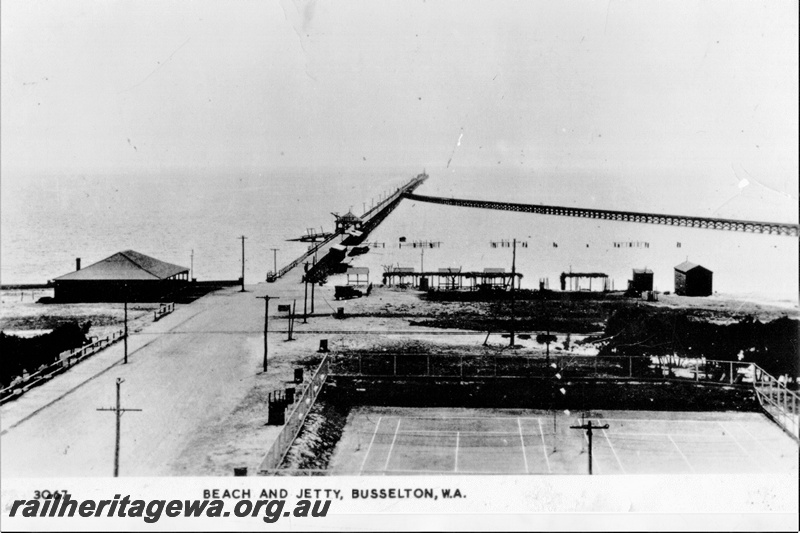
369,221
749,226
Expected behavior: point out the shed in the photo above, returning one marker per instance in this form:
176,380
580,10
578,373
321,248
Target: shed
347,221
642,280
127,275
693,280
357,275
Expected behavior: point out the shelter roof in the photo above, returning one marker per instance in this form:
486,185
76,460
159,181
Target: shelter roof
127,265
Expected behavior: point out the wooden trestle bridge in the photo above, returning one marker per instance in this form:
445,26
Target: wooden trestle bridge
749,226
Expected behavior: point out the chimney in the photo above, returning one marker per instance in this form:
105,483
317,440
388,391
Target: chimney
77,263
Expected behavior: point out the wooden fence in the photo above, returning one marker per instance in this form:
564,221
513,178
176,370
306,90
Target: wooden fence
294,421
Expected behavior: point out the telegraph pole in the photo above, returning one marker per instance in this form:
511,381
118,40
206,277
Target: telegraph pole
125,332
312,286
274,261
305,294
243,238
513,282
588,427
266,324
118,410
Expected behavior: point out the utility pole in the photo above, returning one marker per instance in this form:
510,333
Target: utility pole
266,324
119,410
305,293
588,427
274,261
291,319
312,286
243,238
125,332
513,282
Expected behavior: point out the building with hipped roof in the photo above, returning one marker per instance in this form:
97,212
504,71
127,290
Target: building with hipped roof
127,275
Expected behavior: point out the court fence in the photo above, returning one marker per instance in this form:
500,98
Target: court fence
466,366
294,421
779,402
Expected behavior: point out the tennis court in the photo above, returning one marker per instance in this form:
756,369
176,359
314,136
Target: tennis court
405,441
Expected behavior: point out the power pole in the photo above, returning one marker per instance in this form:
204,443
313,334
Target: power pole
291,319
125,332
266,324
588,427
243,238
305,293
118,410
513,282
312,286
274,261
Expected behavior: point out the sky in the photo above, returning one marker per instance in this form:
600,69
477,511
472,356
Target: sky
656,95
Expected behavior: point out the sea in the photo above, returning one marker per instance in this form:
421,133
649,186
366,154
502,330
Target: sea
197,220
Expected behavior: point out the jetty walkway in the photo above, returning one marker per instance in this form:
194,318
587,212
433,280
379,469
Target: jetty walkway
749,226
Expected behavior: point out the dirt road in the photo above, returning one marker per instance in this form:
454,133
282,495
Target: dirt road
186,372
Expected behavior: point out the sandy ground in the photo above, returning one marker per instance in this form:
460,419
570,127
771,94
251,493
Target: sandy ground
20,313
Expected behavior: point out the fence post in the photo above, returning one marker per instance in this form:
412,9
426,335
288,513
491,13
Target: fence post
595,366
359,364
394,365
786,412
697,372
461,366
630,366
730,367
428,364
